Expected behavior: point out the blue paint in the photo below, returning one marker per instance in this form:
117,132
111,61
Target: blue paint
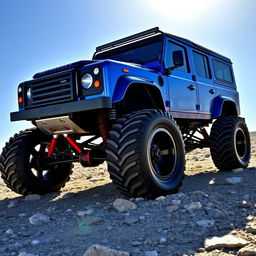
183,89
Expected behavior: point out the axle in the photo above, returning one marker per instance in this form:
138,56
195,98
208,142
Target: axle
87,157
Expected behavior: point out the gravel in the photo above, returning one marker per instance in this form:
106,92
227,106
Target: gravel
91,213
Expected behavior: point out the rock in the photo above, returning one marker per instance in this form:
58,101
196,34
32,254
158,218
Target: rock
98,250
227,241
162,240
237,170
11,204
90,221
142,218
39,219
130,221
27,254
193,206
9,231
136,243
214,213
250,217
212,181
247,250
35,242
251,227
139,199
244,204
83,213
176,202
205,223
123,205
173,208
160,198
233,180
32,197
150,253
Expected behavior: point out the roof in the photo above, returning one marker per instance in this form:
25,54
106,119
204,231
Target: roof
153,32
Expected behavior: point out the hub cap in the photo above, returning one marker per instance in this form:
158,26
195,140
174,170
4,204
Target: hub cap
161,154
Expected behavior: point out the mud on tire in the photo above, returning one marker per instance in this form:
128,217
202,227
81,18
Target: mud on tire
145,154
22,167
230,143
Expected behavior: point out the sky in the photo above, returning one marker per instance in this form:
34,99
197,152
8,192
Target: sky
36,35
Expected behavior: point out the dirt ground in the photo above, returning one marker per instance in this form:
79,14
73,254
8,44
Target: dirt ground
91,187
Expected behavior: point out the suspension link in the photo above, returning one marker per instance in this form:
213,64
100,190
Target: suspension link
52,145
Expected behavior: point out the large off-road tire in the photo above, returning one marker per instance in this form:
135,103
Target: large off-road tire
22,164
145,154
230,143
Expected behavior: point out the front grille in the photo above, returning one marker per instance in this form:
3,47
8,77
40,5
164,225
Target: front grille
51,90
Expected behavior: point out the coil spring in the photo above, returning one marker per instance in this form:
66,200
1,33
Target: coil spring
102,126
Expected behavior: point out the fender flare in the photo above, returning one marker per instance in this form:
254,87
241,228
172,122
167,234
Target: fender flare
218,103
125,81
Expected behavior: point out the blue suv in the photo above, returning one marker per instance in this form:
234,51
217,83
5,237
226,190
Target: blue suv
141,103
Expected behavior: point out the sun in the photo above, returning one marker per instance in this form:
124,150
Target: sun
180,10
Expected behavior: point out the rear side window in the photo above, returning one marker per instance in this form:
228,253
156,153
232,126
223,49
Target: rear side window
201,64
222,71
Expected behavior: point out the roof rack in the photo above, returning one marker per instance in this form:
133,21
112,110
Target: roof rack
129,39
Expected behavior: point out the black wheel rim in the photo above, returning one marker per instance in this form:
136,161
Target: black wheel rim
37,159
240,144
162,154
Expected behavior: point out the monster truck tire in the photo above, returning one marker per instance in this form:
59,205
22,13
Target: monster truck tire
230,143
145,154
21,164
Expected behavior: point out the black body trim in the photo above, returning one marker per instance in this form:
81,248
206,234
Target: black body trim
61,109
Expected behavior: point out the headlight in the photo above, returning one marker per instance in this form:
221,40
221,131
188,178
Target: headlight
87,81
29,94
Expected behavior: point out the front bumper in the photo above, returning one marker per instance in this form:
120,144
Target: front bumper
62,109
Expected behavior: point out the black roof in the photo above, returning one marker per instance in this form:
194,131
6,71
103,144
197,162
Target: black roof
157,31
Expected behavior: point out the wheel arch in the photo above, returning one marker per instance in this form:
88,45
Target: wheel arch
137,93
224,106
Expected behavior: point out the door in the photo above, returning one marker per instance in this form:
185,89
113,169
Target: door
181,87
206,89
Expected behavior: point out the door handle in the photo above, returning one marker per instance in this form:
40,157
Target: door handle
212,91
191,87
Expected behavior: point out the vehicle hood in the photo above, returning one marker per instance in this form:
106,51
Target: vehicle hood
76,64
154,65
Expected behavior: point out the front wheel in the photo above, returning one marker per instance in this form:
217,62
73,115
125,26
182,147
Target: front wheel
230,143
145,154
23,164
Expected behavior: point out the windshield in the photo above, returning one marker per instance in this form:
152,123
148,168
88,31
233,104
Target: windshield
135,53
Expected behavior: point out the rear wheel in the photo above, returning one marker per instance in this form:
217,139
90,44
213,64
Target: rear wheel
230,143
145,154
25,166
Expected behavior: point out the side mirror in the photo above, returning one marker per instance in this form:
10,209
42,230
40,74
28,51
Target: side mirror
177,58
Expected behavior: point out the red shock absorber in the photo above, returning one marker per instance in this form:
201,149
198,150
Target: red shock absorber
204,133
102,126
52,145
73,144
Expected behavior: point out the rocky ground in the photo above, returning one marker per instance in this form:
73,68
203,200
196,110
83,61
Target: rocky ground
89,211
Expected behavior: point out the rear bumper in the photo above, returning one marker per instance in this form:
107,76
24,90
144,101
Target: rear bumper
62,109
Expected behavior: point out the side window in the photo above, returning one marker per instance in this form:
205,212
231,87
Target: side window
222,71
201,64
169,61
